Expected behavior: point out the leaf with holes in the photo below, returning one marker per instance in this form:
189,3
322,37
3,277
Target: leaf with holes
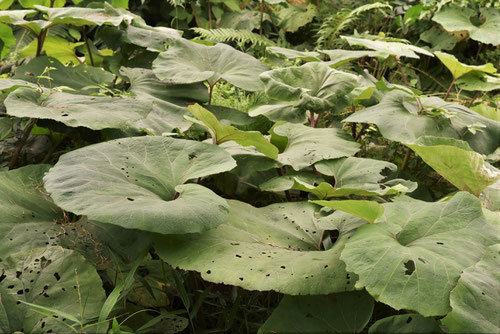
347,312
222,133
405,323
94,112
399,118
188,62
29,217
456,162
475,300
307,145
412,257
312,87
139,183
50,277
269,248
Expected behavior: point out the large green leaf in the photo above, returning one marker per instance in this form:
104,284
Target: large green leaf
269,248
17,17
50,277
479,81
293,17
456,162
339,57
459,69
81,78
28,217
354,176
188,62
476,298
460,18
168,100
222,133
55,47
138,183
7,38
94,112
398,118
347,312
152,38
81,16
388,48
367,210
405,324
313,87
307,145
413,256
439,39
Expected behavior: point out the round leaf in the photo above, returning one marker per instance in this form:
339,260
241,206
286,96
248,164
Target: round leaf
405,323
412,258
269,248
134,183
188,62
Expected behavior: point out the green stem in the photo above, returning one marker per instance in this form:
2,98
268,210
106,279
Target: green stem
84,33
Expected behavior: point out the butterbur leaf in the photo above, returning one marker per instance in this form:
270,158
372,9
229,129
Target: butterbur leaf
55,47
476,298
168,100
50,277
456,162
459,18
355,176
188,62
313,87
17,17
397,49
307,145
222,133
94,112
81,78
293,54
367,210
80,16
286,182
339,57
459,69
479,81
439,39
293,17
398,118
415,253
269,248
347,312
405,323
152,38
138,183
29,217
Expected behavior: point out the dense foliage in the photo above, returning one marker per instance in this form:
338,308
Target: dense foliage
249,166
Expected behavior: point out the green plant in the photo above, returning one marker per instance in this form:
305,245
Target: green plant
155,184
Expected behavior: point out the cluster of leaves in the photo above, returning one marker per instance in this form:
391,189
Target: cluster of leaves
156,183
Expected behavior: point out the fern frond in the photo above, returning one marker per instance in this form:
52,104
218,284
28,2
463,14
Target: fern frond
333,25
222,35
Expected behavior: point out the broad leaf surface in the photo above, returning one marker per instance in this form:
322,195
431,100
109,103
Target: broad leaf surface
439,39
340,57
188,62
49,277
479,81
293,54
457,163
269,248
415,253
476,298
347,312
307,145
313,86
405,324
459,69
94,112
152,38
397,117
388,48
356,176
55,47
133,182
223,133
459,18
29,218
168,100
367,210
81,78
80,16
